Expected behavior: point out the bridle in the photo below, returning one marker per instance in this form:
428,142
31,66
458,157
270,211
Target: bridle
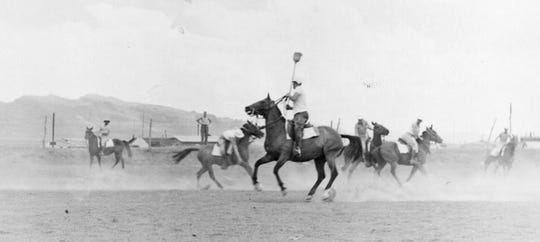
274,103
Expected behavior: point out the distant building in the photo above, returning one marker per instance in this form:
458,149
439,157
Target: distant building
139,143
179,140
162,142
71,143
194,139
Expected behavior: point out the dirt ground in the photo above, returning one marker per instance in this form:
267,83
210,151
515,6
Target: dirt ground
252,216
53,195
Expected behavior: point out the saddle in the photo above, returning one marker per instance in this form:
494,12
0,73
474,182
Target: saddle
403,147
310,131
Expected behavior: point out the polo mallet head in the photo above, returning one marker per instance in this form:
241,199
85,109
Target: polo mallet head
297,56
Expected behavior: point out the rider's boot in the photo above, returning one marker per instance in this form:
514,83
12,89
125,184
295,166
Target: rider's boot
296,151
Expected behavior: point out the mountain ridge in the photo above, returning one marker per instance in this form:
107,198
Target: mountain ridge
24,117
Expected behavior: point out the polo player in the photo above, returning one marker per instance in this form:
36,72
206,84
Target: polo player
410,138
104,133
361,130
228,145
295,127
501,142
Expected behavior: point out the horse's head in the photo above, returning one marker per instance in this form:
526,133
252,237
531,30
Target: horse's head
378,129
262,107
431,135
251,129
89,133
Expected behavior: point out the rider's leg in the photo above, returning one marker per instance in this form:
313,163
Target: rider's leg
300,120
100,145
222,143
236,153
291,133
414,147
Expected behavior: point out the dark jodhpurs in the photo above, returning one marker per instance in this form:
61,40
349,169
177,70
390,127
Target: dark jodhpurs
296,127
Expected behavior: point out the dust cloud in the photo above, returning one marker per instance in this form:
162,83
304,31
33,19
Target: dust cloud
454,174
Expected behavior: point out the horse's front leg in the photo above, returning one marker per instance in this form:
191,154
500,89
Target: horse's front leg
281,161
247,168
263,160
413,171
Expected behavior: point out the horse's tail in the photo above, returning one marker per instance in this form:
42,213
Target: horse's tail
354,149
182,154
127,145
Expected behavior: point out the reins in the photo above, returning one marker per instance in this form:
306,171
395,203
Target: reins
273,105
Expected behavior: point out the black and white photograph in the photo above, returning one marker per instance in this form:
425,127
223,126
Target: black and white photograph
269,120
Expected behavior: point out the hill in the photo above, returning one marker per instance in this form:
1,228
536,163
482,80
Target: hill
23,118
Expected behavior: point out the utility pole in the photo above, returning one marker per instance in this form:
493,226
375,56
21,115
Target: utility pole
44,132
53,143
142,130
150,135
338,123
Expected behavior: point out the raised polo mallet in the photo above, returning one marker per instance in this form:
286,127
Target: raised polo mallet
296,58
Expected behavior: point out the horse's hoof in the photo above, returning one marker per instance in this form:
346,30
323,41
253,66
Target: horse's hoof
284,192
257,187
205,187
329,195
309,198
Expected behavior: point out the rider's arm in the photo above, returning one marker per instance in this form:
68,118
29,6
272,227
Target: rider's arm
293,96
368,125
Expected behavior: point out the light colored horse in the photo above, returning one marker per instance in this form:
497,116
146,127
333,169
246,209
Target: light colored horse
206,158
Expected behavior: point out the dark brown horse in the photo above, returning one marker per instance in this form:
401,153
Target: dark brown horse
506,159
388,152
353,158
207,159
117,150
324,148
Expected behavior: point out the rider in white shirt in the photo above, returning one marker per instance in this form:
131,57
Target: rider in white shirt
410,138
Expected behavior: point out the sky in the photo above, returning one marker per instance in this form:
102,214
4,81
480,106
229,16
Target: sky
455,64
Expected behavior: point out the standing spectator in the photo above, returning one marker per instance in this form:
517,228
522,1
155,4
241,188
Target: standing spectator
204,122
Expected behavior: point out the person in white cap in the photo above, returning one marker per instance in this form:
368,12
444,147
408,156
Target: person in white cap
299,109
104,133
410,138
361,130
228,146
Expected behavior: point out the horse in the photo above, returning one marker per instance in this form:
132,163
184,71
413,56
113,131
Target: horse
353,159
324,148
506,159
119,147
206,158
388,152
